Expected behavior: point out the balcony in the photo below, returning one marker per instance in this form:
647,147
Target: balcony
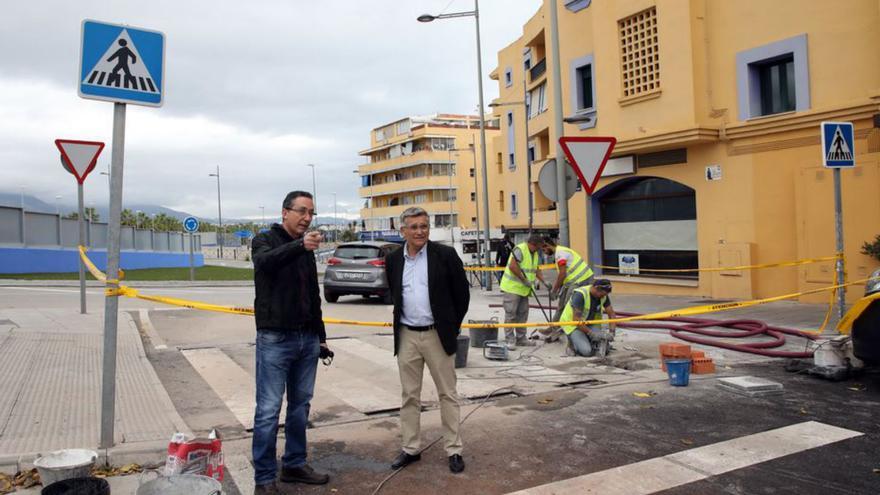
415,158
434,207
538,70
407,185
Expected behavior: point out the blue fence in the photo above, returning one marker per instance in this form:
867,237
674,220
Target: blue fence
59,260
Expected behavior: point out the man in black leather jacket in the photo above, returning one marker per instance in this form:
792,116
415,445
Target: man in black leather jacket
290,337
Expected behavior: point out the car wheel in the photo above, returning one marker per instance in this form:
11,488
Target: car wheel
386,298
330,297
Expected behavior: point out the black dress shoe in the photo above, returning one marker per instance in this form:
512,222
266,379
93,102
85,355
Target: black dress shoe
456,463
405,459
303,474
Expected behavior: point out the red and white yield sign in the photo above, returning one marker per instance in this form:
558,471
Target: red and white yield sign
588,156
79,157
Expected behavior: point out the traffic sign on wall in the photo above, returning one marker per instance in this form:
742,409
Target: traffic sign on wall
121,64
838,145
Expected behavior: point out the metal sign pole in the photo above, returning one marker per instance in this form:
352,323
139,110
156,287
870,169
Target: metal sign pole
81,222
838,227
111,307
192,270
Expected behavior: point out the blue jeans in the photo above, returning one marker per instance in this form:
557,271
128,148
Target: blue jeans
284,360
581,343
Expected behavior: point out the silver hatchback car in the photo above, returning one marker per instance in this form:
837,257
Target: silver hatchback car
358,268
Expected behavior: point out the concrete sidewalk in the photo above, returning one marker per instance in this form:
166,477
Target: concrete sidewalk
50,388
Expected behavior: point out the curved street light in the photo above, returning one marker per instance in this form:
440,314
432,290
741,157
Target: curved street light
476,15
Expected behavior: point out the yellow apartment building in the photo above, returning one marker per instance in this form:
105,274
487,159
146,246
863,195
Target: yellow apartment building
429,161
716,106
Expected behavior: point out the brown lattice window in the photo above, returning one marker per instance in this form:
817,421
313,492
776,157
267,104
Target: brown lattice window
639,53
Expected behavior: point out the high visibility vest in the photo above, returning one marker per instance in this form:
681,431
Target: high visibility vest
529,265
568,312
578,270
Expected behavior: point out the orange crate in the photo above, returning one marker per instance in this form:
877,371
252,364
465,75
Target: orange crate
702,366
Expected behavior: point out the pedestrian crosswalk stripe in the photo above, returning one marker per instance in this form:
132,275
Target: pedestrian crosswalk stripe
121,67
230,382
663,473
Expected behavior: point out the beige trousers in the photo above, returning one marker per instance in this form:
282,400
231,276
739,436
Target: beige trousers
416,349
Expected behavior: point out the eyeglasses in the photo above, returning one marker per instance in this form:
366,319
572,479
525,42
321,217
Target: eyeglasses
417,227
302,210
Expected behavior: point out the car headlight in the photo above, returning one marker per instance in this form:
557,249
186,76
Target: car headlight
873,284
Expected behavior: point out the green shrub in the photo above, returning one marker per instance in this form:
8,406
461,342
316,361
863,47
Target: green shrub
872,249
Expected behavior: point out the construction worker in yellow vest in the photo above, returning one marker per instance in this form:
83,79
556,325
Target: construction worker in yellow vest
573,272
588,303
520,275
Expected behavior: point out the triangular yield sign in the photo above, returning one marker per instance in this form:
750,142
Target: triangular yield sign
587,156
80,156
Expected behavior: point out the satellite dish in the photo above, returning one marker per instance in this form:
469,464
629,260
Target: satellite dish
547,180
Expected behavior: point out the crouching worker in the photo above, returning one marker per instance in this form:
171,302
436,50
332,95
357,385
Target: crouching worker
588,303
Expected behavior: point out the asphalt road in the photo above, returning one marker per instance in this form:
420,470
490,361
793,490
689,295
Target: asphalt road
522,441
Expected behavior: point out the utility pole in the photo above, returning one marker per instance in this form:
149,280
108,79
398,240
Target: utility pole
561,200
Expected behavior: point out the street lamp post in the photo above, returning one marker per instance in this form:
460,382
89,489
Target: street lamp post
449,196
335,219
476,15
314,187
525,104
107,173
219,212
263,216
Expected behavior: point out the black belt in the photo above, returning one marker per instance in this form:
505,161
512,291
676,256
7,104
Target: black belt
420,329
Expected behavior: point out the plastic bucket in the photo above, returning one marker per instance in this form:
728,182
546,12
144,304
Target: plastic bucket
181,484
461,351
679,371
479,336
65,464
78,486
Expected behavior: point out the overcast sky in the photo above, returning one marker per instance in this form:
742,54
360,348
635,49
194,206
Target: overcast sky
259,88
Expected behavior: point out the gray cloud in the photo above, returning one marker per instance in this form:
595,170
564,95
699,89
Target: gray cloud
260,88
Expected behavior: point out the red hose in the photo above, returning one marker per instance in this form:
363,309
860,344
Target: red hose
742,328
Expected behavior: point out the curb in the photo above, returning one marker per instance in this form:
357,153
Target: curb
150,453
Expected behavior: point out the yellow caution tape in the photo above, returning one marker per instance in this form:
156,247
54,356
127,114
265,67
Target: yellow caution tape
123,290
98,274
806,261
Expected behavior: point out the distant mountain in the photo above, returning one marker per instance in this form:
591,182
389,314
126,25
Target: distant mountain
32,203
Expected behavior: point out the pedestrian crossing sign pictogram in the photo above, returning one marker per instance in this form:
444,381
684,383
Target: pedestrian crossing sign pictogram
121,64
838,145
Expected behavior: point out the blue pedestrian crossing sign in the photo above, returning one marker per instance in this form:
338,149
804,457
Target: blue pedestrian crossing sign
191,224
121,64
838,145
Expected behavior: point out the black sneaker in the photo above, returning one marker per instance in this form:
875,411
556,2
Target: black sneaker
303,474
